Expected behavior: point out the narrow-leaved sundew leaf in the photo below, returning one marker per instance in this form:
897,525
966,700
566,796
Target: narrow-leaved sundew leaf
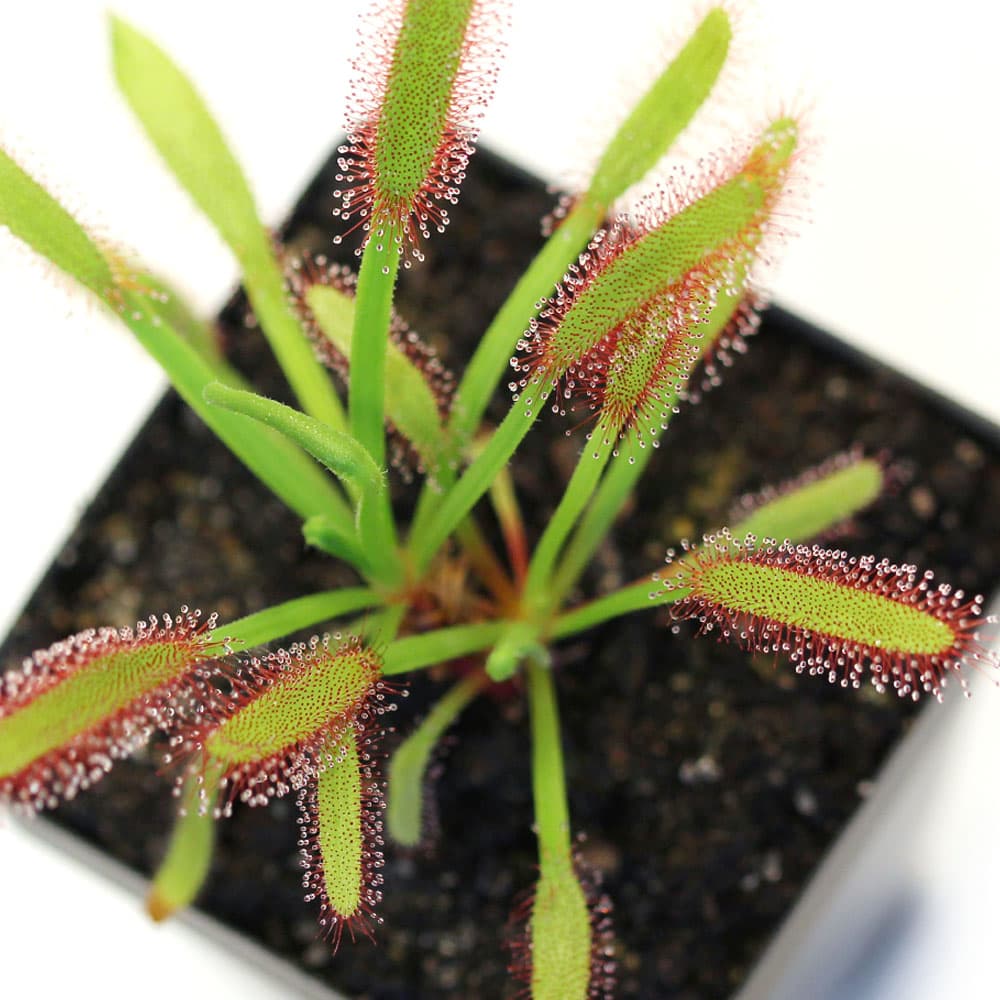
654,277
820,503
76,707
35,217
424,72
560,937
831,613
272,732
341,838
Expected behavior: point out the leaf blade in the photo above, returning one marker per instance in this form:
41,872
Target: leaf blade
178,123
39,220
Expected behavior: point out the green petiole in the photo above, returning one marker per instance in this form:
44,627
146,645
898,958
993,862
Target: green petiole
593,459
492,355
408,765
548,776
476,479
292,616
370,341
417,651
607,501
634,597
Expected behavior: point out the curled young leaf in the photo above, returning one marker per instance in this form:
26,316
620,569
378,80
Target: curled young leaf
336,450
342,454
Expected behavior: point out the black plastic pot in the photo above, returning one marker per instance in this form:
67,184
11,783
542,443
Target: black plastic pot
708,783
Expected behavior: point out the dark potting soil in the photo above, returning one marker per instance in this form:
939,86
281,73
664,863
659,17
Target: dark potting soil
708,782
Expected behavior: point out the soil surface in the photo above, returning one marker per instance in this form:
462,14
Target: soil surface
708,783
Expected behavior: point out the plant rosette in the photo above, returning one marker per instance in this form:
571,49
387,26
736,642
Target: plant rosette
694,764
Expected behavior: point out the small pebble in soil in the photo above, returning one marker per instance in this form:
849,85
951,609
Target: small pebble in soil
805,802
705,770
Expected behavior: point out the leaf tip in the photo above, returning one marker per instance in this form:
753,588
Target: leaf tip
560,936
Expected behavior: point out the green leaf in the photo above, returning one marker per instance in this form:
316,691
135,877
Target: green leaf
293,705
758,183
809,597
723,225
627,467
441,645
35,217
560,934
183,131
72,709
415,112
277,462
815,503
409,145
341,834
341,829
640,142
186,136
811,505
664,111
292,616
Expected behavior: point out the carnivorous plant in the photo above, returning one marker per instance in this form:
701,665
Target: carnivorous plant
620,318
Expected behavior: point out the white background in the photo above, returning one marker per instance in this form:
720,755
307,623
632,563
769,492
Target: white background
897,253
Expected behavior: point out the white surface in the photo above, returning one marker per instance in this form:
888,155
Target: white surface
901,255
897,910
79,888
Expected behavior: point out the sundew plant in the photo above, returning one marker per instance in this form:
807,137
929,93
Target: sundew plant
620,320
